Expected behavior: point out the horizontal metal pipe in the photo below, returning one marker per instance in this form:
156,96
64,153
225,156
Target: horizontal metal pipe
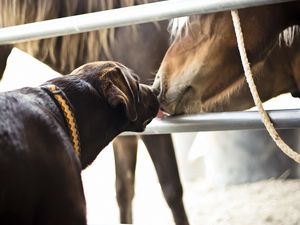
246,120
121,17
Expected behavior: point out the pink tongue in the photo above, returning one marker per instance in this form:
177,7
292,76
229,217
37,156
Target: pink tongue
160,114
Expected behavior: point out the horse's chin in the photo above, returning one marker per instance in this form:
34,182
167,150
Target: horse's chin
178,106
168,108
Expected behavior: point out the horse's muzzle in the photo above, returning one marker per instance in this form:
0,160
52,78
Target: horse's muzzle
156,86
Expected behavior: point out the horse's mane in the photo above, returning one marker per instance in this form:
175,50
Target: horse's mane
179,27
63,51
289,34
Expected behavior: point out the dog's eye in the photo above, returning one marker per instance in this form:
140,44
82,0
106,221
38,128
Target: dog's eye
136,77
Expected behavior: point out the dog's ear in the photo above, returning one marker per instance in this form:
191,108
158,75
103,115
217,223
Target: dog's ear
118,90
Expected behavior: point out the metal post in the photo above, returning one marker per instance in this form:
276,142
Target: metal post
122,17
246,120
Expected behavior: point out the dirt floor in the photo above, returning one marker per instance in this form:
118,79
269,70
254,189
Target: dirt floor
272,202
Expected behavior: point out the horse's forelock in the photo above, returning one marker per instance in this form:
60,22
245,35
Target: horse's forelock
177,26
288,35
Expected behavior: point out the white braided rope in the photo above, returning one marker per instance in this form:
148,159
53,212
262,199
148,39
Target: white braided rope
249,77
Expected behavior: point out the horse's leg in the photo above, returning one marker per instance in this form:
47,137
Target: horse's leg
161,150
4,53
125,151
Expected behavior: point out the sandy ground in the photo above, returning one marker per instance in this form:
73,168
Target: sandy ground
272,202
98,179
264,203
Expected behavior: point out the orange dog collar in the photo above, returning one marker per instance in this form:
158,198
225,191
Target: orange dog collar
68,114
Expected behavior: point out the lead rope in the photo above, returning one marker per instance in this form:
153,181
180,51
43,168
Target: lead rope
249,77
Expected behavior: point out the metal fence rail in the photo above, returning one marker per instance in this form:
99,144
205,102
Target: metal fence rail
247,120
122,17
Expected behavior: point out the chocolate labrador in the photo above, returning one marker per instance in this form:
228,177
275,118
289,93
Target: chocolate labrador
50,133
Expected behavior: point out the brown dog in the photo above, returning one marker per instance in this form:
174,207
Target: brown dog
43,148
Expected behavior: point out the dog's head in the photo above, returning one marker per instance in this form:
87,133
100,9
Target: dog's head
121,89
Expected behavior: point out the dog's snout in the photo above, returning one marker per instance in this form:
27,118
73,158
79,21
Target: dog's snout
149,94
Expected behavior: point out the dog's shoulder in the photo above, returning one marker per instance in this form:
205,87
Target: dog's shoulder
22,104
27,117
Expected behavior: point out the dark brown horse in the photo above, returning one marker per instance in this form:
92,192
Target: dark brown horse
140,48
202,70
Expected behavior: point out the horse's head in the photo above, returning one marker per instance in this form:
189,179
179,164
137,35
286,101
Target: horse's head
202,70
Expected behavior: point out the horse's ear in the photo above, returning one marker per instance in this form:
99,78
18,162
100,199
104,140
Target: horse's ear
118,91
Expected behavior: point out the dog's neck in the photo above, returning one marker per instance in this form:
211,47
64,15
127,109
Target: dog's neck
66,109
97,123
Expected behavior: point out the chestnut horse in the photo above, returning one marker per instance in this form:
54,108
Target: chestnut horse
202,71
140,48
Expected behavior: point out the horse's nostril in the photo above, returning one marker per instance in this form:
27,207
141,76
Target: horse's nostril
156,86
156,91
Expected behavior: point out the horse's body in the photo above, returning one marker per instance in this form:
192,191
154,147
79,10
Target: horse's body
202,70
140,48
